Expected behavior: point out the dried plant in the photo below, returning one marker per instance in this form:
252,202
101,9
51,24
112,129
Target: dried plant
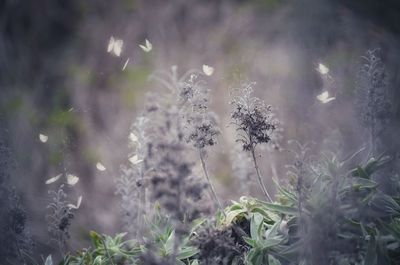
372,98
131,185
200,124
16,244
172,182
61,210
60,217
218,246
255,124
300,173
167,160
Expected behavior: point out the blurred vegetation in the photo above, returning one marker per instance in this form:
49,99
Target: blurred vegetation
56,77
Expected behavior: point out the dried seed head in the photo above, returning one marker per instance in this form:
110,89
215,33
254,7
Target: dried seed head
254,119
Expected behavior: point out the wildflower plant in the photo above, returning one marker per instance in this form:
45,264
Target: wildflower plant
16,244
201,125
188,108
131,185
167,165
254,122
372,98
61,211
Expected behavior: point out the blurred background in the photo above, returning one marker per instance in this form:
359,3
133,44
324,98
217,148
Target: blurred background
57,79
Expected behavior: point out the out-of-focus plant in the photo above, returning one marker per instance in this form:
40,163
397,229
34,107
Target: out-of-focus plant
61,211
16,244
372,99
131,184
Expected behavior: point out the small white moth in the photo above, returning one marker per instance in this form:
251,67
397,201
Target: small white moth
100,166
78,203
53,179
43,138
115,46
324,97
208,70
72,179
147,46
135,160
322,69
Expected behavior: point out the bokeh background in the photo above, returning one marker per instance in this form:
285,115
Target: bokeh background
57,79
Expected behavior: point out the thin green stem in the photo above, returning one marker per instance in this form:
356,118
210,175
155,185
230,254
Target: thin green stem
260,181
213,193
235,227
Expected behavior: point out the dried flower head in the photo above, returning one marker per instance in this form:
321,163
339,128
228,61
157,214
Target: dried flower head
201,123
254,119
255,124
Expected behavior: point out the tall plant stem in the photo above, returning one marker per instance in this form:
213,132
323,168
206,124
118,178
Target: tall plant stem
260,181
235,227
213,193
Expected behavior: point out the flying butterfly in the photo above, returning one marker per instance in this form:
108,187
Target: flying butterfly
147,47
78,204
208,70
115,46
324,97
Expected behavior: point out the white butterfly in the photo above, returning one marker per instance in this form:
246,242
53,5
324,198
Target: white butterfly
135,160
54,179
324,97
208,70
78,204
322,69
72,179
147,47
133,138
115,46
43,138
100,166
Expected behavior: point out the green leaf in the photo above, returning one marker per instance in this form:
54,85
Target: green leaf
230,216
273,261
255,226
291,252
292,197
250,241
283,209
49,260
370,257
96,239
169,244
194,262
360,172
187,252
363,183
